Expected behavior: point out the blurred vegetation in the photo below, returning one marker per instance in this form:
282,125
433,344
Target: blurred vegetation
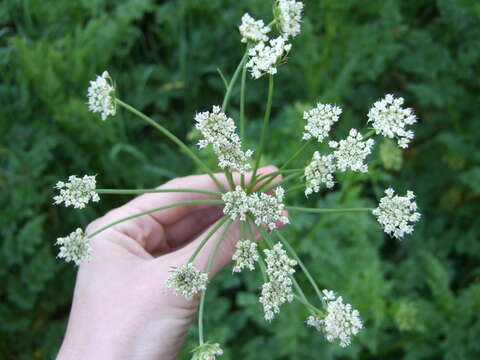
420,298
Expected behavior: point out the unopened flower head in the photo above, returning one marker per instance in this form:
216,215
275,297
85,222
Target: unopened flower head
207,351
219,131
396,214
253,30
101,96
186,281
390,119
274,294
236,203
77,192
268,209
319,171
320,120
264,56
351,152
245,255
74,247
341,322
290,16
278,290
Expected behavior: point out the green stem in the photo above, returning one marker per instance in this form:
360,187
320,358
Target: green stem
266,119
175,139
242,102
270,177
144,191
181,203
295,188
300,263
297,153
223,78
207,237
209,268
283,181
369,134
313,210
232,82
312,308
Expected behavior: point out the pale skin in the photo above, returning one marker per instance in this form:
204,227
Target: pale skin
121,307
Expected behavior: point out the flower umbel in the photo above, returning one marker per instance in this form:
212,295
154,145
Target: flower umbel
351,152
101,96
253,30
290,16
278,290
341,321
245,255
319,171
219,130
77,192
264,56
389,119
186,281
207,351
320,120
236,203
74,247
396,214
268,209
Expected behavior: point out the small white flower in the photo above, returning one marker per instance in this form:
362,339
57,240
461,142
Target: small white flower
351,152
101,96
320,120
319,171
207,351
341,322
74,247
236,203
396,214
77,192
264,57
219,131
253,30
389,119
267,209
186,281
290,16
278,290
245,255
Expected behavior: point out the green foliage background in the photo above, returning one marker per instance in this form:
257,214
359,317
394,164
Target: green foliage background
420,298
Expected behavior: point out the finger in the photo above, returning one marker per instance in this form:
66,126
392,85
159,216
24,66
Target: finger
198,182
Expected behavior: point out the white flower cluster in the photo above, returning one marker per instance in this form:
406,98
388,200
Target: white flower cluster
320,120
245,255
265,209
319,171
351,152
207,351
396,214
290,16
278,289
186,281
253,30
77,192
341,321
219,130
101,96
265,56
74,247
389,119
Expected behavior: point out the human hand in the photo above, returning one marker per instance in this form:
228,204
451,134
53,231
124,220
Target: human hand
122,308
